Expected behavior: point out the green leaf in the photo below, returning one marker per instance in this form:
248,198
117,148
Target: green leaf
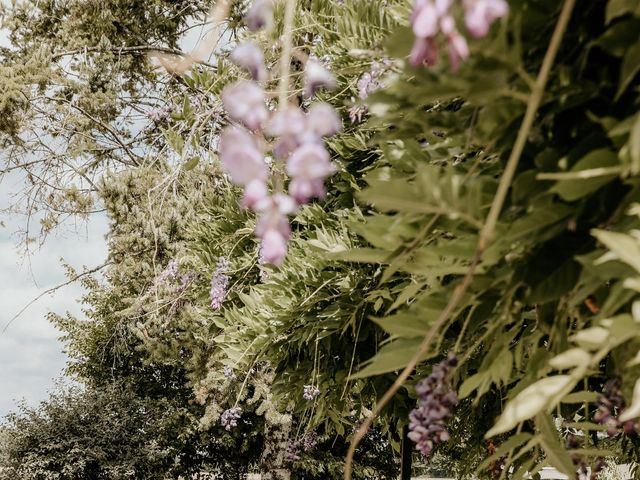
587,426
617,8
571,190
569,359
630,68
393,356
556,454
633,410
634,146
472,383
191,163
581,397
543,394
557,284
593,452
406,324
624,247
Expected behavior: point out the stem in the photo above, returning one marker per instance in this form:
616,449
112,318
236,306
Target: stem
486,234
532,108
285,59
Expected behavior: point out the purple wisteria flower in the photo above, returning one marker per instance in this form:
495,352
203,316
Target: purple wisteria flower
229,418
219,284
316,77
273,226
241,157
169,273
310,392
260,15
292,452
245,103
308,166
249,56
296,140
433,18
436,398
323,121
228,372
161,114
309,441
480,14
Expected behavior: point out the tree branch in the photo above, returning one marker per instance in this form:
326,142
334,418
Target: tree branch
138,49
52,290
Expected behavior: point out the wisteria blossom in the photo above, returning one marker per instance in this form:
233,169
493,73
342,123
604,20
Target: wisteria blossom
249,56
367,84
219,284
436,398
295,139
260,15
228,372
245,103
431,19
480,14
241,156
229,418
317,77
310,392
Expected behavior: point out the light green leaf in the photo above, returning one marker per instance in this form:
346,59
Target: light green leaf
472,383
569,359
574,189
634,146
543,394
617,8
393,356
191,163
624,247
591,338
406,324
556,454
633,410
630,68
581,397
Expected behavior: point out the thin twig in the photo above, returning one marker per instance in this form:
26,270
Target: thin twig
52,290
486,234
285,56
130,51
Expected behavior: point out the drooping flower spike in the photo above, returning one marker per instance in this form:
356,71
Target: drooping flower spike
433,18
294,138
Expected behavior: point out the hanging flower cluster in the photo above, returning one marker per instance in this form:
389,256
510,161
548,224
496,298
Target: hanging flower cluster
228,372
436,398
229,418
294,138
219,283
610,406
368,83
431,19
174,281
306,444
310,392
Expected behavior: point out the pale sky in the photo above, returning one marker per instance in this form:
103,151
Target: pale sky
31,356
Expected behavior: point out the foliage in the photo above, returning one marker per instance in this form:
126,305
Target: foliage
113,433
